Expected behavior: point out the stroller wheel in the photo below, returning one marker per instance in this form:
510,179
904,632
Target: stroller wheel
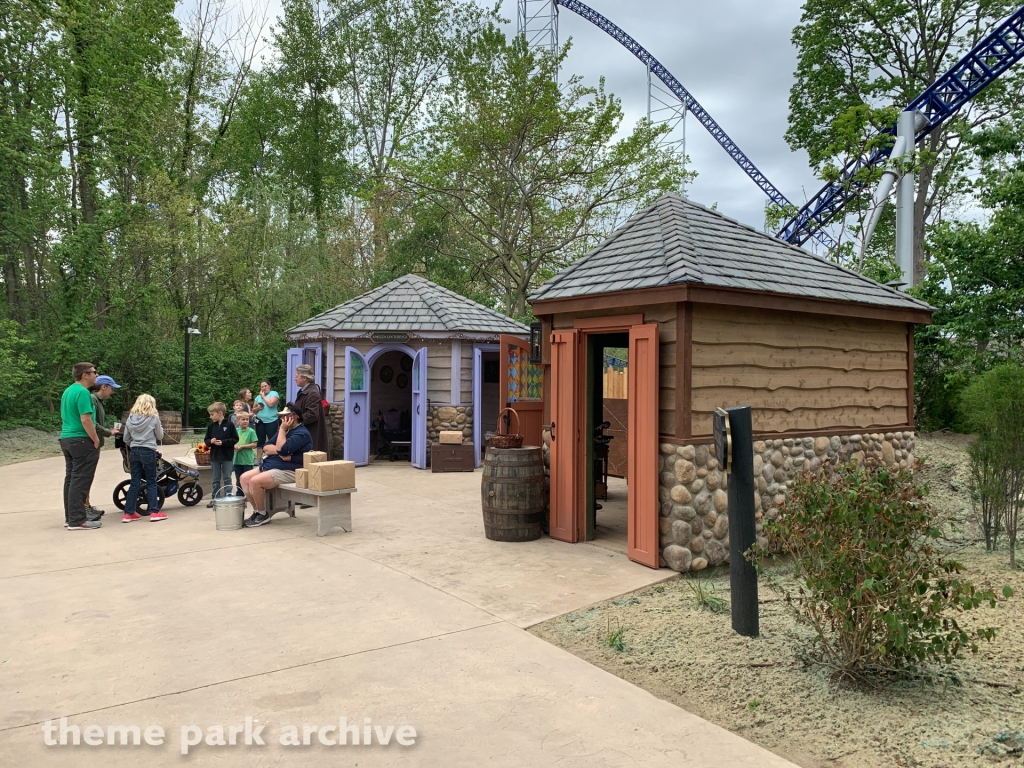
142,504
190,494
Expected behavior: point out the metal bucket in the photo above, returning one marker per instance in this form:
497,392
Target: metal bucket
229,511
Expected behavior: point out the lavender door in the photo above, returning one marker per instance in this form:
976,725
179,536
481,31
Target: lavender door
294,361
419,409
357,408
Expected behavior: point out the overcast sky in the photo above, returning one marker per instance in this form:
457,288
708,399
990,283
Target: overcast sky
735,58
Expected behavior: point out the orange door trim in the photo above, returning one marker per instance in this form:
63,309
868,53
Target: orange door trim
565,455
642,446
613,323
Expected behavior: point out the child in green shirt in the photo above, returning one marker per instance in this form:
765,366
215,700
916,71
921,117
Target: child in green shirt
245,448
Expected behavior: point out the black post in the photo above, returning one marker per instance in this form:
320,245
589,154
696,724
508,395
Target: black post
188,341
742,526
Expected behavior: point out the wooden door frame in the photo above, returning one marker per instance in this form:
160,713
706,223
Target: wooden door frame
592,326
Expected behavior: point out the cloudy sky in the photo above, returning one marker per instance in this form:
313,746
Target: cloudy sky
734,56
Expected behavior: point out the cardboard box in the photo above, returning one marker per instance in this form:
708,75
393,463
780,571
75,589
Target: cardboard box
450,438
332,475
302,478
309,458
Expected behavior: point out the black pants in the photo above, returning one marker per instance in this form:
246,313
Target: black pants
80,460
265,431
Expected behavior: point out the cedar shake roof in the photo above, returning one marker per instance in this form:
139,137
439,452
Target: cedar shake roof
676,241
411,303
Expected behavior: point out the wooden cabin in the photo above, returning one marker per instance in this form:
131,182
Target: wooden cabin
405,360
715,314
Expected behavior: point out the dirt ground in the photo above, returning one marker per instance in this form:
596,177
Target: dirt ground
26,443
758,688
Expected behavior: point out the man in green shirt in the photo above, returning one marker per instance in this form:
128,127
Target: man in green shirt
80,445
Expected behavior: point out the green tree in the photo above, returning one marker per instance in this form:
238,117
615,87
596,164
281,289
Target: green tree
975,280
530,173
882,54
994,407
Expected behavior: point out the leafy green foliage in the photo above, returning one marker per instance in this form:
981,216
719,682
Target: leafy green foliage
527,170
880,597
976,282
993,406
880,54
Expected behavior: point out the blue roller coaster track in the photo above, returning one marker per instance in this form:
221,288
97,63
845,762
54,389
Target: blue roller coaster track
689,102
991,57
999,50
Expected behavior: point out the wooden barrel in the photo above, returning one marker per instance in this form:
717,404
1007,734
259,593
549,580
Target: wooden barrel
171,421
512,493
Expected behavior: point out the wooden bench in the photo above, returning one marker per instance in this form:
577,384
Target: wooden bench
333,508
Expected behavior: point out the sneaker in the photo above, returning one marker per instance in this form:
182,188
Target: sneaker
256,520
130,518
210,505
155,516
86,525
95,512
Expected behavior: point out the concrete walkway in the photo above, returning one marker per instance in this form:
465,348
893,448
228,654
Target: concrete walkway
412,619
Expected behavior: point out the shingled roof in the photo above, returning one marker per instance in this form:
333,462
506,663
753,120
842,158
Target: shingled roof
676,241
411,303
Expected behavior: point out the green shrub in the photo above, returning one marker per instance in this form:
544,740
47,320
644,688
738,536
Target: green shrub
993,406
880,597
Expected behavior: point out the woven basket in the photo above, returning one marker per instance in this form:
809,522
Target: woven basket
202,459
510,440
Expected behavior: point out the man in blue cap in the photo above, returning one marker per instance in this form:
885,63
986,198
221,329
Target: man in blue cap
101,390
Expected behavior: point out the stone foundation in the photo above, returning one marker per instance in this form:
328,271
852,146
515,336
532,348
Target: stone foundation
449,418
694,521
336,425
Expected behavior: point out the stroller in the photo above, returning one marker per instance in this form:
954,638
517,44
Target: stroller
170,480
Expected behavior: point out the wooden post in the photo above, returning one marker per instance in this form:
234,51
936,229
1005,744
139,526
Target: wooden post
742,525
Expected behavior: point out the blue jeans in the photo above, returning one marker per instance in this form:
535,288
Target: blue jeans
240,469
143,460
221,472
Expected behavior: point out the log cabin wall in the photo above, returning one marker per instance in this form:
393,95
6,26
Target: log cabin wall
801,373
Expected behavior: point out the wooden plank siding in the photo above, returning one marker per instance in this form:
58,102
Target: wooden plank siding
467,373
798,372
439,373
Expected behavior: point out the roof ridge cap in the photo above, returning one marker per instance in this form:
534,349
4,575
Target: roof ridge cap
683,266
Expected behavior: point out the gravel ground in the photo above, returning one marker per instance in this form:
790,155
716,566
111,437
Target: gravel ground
26,444
758,688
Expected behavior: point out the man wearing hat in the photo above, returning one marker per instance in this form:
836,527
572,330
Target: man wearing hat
282,455
101,390
310,409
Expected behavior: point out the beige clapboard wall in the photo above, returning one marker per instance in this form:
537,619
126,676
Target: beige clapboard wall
796,371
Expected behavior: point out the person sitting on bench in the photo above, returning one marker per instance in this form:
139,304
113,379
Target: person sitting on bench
282,455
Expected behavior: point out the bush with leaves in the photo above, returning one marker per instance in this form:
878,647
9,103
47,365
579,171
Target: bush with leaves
881,598
993,406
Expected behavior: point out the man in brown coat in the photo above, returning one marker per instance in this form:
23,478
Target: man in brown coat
309,404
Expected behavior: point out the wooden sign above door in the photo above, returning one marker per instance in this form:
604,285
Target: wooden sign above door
389,337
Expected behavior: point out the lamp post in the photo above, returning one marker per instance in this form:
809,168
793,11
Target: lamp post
190,331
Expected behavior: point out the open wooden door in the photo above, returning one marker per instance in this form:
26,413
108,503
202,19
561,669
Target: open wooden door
565,446
357,408
418,449
522,385
294,361
642,445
